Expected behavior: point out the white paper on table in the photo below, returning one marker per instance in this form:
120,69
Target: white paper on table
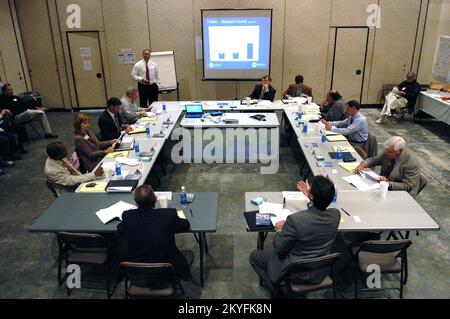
128,139
300,100
128,161
331,133
167,194
372,175
114,211
264,103
362,184
109,165
295,201
276,211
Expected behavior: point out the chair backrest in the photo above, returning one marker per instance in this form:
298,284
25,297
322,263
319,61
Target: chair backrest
384,246
52,188
309,264
371,146
152,275
423,182
78,241
387,88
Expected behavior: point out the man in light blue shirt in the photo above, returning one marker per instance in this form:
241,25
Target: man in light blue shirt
354,128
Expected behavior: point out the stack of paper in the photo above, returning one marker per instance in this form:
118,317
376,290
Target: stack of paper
276,212
118,154
336,138
97,188
295,201
349,149
362,184
128,161
138,130
167,194
114,211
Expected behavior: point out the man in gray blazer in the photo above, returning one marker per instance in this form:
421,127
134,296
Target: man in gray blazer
398,167
305,234
60,172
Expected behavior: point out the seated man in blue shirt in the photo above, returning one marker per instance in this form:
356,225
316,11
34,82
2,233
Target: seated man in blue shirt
354,128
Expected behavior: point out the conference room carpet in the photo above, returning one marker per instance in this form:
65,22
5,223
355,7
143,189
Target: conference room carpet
28,261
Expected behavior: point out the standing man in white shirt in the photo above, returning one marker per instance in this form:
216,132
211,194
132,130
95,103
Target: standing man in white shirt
145,72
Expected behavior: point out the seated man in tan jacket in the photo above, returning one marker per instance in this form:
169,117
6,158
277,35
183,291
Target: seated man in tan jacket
398,167
298,89
61,174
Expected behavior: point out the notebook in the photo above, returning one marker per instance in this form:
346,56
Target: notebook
97,188
336,138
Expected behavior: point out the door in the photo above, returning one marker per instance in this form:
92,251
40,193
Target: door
87,66
349,59
14,64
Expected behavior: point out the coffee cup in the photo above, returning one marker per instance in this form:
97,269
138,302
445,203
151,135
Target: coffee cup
384,187
163,201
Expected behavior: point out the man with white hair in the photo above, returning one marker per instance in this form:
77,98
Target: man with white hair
398,167
403,95
130,111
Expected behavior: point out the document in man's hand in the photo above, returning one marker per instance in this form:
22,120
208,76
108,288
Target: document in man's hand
362,184
115,211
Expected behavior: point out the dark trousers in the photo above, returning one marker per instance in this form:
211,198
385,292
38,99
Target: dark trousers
259,260
147,94
7,145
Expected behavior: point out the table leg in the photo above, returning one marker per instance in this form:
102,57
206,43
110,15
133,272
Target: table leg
261,239
202,248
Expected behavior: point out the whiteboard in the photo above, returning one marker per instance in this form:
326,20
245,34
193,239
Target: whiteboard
441,65
166,68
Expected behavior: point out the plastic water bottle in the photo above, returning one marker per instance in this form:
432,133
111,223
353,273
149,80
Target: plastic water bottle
136,148
299,116
305,127
338,154
183,196
164,108
118,170
324,136
147,130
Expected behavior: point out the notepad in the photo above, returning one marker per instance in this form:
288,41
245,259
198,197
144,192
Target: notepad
98,188
138,131
344,149
181,214
349,167
118,154
336,138
115,211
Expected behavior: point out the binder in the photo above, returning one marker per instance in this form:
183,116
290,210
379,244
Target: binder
121,186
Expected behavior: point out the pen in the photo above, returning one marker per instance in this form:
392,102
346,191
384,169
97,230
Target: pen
345,211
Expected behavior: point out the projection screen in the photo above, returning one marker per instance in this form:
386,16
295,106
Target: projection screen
236,43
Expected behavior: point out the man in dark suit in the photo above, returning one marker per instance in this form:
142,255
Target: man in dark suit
110,123
306,234
264,91
150,233
398,167
298,89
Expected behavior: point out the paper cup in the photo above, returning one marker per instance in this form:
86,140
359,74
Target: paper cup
384,187
163,201
108,174
309,100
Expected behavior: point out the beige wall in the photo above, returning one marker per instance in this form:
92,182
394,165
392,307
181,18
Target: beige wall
302,41
438,23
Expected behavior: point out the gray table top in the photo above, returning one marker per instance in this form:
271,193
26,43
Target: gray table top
75,212
398,212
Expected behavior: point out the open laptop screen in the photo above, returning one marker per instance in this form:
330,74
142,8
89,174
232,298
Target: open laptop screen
194,108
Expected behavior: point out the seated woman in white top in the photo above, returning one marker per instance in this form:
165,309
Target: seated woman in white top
130,111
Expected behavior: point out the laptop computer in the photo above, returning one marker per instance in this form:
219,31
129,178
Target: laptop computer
194,111
124,144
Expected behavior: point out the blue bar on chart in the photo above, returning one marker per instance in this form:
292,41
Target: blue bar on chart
236,55
249,51
221,56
